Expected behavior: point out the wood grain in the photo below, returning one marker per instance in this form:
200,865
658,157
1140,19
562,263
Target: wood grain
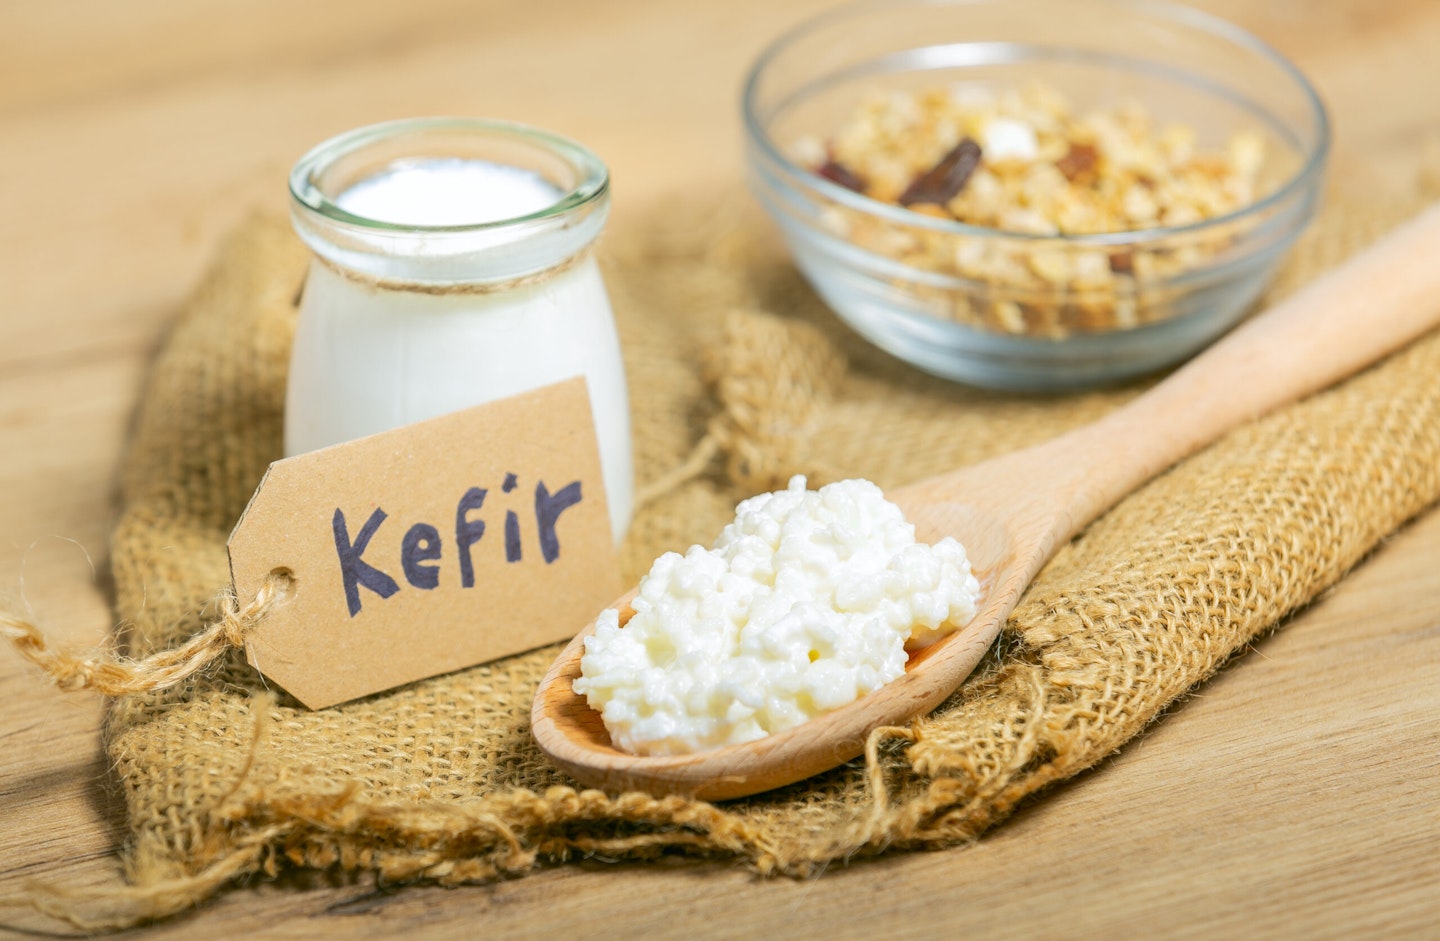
1291,797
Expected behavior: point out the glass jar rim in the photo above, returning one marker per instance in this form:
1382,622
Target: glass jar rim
495,251
593,181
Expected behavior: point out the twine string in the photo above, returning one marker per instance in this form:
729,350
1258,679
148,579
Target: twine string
112,675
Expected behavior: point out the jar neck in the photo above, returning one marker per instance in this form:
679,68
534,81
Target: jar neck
468,286
484,256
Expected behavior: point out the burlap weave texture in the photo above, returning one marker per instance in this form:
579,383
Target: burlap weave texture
728,355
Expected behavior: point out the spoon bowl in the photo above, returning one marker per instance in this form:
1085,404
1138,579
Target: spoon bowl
1012,514
574,736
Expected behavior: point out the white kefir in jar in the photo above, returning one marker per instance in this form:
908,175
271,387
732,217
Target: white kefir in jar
452,268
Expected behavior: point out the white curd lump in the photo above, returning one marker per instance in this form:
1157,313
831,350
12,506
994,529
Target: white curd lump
807,602
448,191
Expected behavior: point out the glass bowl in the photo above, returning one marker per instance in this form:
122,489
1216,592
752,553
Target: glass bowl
1162,293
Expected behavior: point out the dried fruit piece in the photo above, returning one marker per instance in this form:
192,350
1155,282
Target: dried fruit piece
837,172
946,179
1079,160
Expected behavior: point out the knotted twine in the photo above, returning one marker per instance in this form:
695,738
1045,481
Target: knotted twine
739,378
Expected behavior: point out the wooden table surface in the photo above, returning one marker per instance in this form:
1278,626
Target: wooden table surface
1294,796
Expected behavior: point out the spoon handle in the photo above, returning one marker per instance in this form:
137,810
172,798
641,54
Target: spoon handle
1373,304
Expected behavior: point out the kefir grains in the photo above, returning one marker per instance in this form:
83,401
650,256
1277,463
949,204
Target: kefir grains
807,602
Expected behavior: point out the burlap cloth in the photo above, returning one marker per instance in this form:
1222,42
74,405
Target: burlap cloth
736,369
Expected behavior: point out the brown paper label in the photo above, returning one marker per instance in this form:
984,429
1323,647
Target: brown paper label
429,548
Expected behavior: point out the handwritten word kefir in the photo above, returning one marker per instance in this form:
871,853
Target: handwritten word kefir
808,601
443,282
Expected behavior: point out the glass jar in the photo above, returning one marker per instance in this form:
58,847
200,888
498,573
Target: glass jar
406,320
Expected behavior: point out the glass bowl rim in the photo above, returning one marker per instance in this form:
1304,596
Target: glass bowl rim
1312,161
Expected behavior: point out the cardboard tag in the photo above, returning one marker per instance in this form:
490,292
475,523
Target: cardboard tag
429,548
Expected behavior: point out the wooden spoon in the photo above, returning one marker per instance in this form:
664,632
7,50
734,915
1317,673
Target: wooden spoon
1014,512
